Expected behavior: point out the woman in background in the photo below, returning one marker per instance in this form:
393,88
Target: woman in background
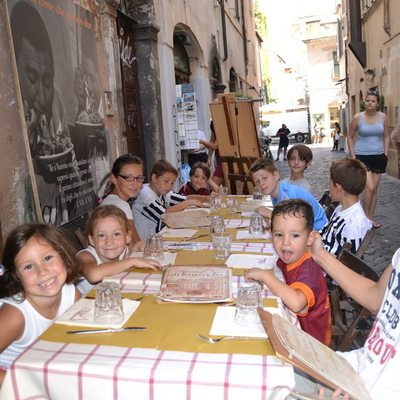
371,147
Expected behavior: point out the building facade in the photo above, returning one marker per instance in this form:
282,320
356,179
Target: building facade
144,51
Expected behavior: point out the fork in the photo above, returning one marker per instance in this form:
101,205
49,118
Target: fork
212,340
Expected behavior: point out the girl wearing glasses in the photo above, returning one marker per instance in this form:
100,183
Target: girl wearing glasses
126,182
371,147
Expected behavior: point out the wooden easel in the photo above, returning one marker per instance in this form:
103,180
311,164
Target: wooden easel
236,132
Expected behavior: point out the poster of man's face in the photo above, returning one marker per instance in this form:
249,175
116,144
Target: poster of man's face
55,52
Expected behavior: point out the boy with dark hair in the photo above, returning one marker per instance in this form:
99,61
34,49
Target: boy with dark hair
305,291
157,198
348,223
299,158
265,176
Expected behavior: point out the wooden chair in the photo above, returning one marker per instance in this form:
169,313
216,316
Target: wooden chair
365,242
327,203
340,303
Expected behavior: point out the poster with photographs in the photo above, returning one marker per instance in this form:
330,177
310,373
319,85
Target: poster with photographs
56,61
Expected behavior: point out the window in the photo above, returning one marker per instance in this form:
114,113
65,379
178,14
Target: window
336,67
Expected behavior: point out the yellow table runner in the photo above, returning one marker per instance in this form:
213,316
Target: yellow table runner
170,326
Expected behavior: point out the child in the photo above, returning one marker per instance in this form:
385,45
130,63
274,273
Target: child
200,175
378,361
265,177
348,223
126,181
108,254
305,291
36,287
299,158
158,198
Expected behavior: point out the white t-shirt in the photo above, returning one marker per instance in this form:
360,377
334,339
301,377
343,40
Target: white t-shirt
35,323
148,207
345,226
378,362
303,182
113,199
83,285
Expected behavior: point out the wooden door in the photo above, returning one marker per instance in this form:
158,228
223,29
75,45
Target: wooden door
130,88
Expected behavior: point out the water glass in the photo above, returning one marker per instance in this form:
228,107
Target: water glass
223,192
257,195
249,298
153,248
256,226
108,308
215,205
217,224
232,206
222,245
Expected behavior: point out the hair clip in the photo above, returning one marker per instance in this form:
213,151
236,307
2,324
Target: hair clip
1,269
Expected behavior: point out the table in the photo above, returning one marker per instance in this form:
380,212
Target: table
165,362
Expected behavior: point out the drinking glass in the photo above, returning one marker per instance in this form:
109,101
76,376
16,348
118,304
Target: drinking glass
217,224
108,308
256,226
223,192
257,195
249,298
221,245
153,248
232,206
215,205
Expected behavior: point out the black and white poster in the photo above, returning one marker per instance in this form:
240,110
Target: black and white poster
55,51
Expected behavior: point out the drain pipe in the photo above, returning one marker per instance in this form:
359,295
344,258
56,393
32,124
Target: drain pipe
222,2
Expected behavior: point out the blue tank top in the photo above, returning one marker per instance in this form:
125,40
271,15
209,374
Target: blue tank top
370,137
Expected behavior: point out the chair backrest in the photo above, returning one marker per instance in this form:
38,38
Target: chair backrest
357,265
365,242
326,201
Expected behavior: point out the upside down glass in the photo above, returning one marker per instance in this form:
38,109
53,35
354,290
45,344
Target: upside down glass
154,248
249,298
215,205
221,245
256,226
232,206
108,309
217,224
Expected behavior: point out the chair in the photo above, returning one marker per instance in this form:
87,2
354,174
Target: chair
327,203
341,303
365,242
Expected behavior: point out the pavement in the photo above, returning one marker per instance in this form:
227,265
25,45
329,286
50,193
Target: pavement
385,241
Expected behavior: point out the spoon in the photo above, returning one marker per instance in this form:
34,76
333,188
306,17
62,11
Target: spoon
212,340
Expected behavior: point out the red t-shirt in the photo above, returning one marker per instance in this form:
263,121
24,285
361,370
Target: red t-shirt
189,189
306,275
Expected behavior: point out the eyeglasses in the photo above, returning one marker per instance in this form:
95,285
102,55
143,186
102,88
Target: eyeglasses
130,178
373,92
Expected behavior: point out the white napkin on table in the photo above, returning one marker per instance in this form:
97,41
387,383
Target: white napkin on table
81,313
177,233
224,324
244,234
169,258
251,260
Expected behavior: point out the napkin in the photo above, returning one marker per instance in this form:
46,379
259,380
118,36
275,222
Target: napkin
175,233
81,313
244,234
224,324
251,260
135,281
169,258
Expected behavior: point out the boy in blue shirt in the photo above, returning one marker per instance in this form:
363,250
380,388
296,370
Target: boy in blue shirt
265,177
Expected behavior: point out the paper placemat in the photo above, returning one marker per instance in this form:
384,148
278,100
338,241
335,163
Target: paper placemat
244,234
224,324
82,314
251,260
177,233
169,258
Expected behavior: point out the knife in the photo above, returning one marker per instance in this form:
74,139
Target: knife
194,237
109,330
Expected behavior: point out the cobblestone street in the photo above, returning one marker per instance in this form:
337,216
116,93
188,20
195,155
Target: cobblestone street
385,242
